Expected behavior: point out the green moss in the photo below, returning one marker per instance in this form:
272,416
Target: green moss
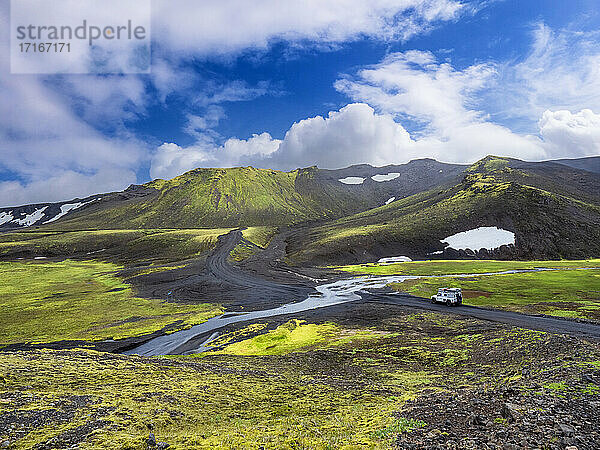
450,267
260,236
207,197
529,200
255,239
292,336
81,300
196,405
157,245
565,293
399,426
320,396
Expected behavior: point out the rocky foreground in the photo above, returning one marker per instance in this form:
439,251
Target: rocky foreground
365,376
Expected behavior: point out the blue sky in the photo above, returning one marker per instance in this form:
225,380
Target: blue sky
291,84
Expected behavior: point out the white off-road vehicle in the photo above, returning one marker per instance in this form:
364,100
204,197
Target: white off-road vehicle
449,296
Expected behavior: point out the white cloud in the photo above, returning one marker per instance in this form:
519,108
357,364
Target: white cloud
171,160
52,152
228,26
357,134
233,91
64,184
258,146
354,134
571,135
414,85
560,72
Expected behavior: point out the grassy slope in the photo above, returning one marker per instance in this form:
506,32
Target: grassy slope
126,245
241,196
245,196
84,300
573,293
548,218
566,293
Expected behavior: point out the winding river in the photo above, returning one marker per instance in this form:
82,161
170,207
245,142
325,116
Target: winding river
329,294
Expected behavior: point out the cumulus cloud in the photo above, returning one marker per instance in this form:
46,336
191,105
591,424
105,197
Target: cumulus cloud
354,134
414,85
411,86
572,135
170,160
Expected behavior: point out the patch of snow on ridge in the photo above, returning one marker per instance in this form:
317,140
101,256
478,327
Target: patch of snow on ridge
388,177
352,180
390,200
6,217
394,260
482,237
67,208
32,218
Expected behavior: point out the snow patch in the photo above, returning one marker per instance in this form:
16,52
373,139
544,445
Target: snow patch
67,208
483,237
387,177
390,200
32,218
352,180
394,260
6,217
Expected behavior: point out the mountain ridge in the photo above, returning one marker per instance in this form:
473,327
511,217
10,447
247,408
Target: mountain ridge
359,213
209,197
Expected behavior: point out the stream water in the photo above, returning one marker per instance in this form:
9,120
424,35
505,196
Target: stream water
341,291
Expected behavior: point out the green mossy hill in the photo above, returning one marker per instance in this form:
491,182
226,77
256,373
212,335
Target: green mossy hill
241,196
553,210
246,196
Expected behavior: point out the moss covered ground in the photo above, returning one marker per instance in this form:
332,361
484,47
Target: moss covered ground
205,197
154,245
450,267
81,300
318,396
289,337
573,291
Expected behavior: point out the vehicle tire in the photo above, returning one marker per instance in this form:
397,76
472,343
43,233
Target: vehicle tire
448,303
433,300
